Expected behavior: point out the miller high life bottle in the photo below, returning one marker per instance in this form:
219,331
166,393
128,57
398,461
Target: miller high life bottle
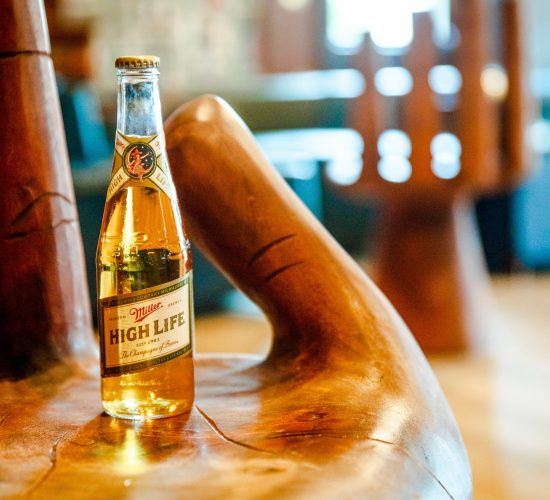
145,305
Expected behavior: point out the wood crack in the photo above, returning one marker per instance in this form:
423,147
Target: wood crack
24,234
15,53
282,269
212,424
261,251
28,209
52,455
307,434
325,434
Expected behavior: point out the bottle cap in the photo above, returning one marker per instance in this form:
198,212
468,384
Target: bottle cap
137,62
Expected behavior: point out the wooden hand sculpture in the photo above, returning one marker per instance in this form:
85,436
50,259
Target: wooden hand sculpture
344,406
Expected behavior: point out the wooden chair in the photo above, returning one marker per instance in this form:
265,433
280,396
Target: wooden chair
344,405
428,260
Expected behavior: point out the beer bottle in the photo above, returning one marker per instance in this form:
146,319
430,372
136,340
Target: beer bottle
144,277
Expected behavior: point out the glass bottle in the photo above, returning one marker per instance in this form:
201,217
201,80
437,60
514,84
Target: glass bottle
144,276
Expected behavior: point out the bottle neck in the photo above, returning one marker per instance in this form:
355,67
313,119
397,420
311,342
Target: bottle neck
138,102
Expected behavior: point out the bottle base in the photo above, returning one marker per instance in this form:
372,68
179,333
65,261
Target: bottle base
134,410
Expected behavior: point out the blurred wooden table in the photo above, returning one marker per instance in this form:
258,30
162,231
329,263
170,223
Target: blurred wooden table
500,394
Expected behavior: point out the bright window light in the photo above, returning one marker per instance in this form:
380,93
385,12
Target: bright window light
422,5
446,165
539,82
344,171
294,4
446,143
393,142
391,24
347,22
494,82
446,150
444,34
445,79
395,169
393,81
539,136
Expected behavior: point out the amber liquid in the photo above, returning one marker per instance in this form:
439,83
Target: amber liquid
142,244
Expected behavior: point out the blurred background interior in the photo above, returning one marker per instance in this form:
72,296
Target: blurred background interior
415,105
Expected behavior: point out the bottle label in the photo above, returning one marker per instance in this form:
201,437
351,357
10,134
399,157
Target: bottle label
142,329
140,158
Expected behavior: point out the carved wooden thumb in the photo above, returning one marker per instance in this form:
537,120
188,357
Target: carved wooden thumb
345,403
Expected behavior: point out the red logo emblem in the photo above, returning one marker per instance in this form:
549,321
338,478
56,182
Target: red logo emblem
139,160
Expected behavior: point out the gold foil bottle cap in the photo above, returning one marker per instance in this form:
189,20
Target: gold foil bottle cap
137,62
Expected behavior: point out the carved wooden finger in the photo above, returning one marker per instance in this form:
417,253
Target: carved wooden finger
45,310
345,402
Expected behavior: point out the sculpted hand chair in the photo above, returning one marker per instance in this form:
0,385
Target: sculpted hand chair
429,149
344,405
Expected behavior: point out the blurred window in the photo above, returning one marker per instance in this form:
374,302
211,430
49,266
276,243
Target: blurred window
389,23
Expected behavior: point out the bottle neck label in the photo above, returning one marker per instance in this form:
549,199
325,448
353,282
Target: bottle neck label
142,159
141,329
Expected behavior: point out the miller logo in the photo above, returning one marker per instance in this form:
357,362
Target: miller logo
139,160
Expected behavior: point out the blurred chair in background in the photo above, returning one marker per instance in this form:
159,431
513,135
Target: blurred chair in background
442,121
